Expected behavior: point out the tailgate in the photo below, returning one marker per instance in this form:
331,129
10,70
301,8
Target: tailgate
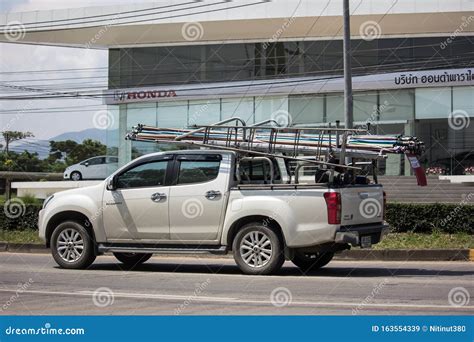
361,204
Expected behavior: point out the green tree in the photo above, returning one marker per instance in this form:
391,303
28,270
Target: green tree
60,149
89,148
11,136
24,162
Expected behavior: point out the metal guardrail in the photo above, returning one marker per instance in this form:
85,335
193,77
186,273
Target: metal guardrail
10,176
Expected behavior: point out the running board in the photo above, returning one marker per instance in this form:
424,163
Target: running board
168,249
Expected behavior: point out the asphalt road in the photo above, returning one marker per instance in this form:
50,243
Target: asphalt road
33,284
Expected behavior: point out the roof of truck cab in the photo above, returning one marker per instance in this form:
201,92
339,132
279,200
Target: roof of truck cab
155,154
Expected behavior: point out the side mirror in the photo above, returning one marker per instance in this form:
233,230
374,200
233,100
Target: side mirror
86,164
110,184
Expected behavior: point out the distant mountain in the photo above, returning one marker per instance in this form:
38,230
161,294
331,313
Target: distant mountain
90,133
42,146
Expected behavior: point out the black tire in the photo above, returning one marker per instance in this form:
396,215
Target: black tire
60,248
79,175
276,258
308,262
132,259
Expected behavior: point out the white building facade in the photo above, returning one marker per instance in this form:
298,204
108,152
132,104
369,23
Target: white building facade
176,64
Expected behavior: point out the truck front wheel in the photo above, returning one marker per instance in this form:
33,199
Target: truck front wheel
308,262
72,246
258,249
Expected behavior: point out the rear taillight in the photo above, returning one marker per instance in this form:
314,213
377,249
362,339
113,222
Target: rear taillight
384,204
333,203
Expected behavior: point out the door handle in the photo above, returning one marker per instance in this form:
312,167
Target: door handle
158,197
212,194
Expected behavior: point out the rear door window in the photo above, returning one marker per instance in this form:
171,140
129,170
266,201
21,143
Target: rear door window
197,171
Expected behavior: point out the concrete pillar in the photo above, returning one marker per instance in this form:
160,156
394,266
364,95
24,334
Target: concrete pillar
124,146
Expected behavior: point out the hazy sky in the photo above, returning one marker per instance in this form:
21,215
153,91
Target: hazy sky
22,57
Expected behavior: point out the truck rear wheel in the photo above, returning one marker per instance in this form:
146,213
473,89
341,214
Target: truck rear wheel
258,249
308,262
132,259
72,246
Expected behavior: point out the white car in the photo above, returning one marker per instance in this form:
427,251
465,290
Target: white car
92,168
211,202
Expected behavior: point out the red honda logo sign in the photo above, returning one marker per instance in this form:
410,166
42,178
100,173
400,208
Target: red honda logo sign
150,94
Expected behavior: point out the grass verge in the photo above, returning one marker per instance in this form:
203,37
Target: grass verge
434,240
20,236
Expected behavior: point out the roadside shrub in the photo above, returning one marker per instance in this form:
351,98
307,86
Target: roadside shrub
30,199
426,218
17,215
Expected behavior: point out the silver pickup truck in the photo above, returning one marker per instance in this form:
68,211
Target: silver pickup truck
212,201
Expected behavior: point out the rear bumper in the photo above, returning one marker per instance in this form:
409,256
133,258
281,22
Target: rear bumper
352,234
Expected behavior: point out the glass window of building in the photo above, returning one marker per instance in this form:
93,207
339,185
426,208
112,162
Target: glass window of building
364,56
239,107
393,52
204,112
143,113
334,108
229,62
433,103
306,109
463,99
271,108
396,105
173,114
365,107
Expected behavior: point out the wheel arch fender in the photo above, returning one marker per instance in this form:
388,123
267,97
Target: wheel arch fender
88,214
272,212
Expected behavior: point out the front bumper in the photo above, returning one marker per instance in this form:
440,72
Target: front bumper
41,226
352,234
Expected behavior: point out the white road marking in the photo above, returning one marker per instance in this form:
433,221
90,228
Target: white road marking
230,300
